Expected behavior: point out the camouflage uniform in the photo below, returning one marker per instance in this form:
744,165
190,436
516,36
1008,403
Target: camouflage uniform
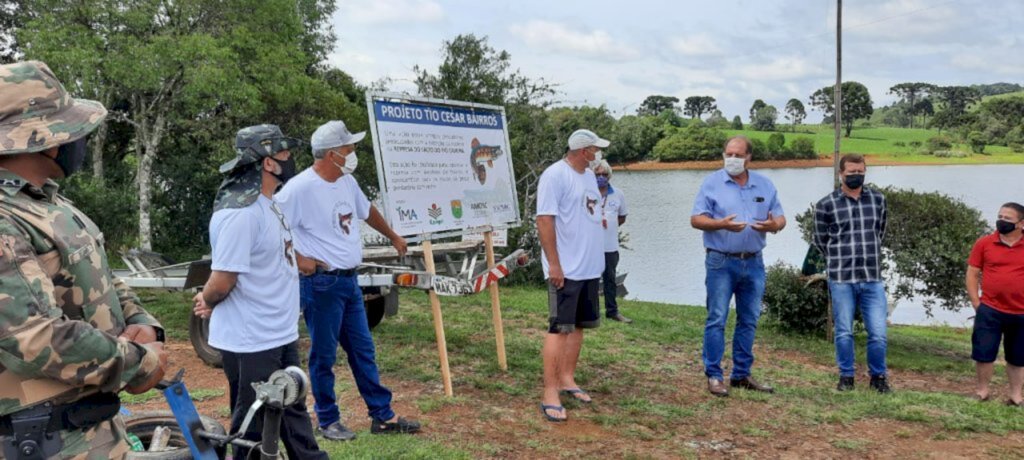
61,308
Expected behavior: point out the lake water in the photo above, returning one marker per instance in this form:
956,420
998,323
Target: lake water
665,261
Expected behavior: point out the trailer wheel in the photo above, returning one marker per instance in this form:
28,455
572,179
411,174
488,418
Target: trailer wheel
199,334
375,304
142,424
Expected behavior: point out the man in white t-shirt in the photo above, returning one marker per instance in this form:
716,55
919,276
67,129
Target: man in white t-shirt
572,243
325,206
613,207
252,296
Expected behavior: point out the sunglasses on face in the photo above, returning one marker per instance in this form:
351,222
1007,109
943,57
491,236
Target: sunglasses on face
601,174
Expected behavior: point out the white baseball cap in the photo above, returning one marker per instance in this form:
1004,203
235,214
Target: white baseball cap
334,133
582,138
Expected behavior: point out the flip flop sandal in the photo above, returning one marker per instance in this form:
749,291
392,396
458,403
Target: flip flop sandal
981,399
1011,403
576,393
544,408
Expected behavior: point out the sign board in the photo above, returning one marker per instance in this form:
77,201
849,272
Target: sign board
444,166
499,237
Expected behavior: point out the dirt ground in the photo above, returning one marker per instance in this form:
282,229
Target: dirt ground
511,420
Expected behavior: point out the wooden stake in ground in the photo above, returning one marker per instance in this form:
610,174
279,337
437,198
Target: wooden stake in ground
435,308
499,329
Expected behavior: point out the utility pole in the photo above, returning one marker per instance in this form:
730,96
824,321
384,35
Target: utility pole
838,96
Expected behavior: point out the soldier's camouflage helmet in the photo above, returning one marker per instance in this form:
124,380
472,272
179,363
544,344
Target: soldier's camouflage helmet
37,113
252,144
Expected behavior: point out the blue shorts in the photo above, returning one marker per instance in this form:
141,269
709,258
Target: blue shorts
991,325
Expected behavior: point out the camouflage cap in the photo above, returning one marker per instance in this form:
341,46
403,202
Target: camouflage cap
254,143
37,113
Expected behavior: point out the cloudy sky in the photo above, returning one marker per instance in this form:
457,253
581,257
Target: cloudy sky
617,53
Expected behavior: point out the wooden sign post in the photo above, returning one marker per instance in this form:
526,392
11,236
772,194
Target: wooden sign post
499,329
435,308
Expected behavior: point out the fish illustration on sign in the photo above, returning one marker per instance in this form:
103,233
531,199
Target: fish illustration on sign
345,221
481,155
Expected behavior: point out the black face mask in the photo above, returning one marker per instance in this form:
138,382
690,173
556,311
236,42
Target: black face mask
71,156
1005,227
854,181
287,169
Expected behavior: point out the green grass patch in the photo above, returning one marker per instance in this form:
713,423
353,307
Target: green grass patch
890,143
197,394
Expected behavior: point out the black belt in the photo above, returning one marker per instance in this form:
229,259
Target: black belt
336,272
82,414
738,255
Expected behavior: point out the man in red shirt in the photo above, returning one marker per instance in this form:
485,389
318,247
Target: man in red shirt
998,259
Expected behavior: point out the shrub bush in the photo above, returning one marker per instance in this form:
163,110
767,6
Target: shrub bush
803,147
977,141
794,302
1017,147
776,146
760,149
939,143
915,144
951,154
695,142
899,144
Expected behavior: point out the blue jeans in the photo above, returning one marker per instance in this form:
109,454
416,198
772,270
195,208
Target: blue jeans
870,297
727,276
333,309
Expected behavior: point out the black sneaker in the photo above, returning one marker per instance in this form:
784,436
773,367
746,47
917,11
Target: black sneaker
846,384
880,384
337,432
401,426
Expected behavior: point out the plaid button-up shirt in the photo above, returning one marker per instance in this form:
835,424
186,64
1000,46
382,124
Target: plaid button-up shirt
849,233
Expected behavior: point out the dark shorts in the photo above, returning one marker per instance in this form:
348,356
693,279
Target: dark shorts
575,305
991,325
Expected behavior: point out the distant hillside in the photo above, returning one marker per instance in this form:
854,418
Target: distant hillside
995,89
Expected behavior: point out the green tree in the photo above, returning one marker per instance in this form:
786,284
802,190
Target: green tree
758,104
655,105
737,123
911,93
795,112
856,103
776,146
633,138
695,106
718,120
956,99
165,69
764,118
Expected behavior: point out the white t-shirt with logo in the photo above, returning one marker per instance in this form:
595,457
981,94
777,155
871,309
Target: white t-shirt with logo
575,201
614,207
262,311
325,217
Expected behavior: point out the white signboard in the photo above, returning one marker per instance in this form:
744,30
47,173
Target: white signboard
499,237
443,166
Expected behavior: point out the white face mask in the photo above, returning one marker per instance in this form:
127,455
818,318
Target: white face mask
351,161
735,166
597,160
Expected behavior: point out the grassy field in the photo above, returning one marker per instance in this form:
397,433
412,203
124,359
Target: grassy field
883,143
649,391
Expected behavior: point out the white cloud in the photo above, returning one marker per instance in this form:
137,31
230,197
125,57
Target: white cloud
786,68
910,20
991,63
696,45
554,36
388,12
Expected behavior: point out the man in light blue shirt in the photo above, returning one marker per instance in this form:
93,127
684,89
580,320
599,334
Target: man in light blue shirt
735,209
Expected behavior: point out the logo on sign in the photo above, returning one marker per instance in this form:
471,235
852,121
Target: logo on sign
457,209
435,214
407,214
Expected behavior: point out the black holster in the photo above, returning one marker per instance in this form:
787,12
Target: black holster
34,433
